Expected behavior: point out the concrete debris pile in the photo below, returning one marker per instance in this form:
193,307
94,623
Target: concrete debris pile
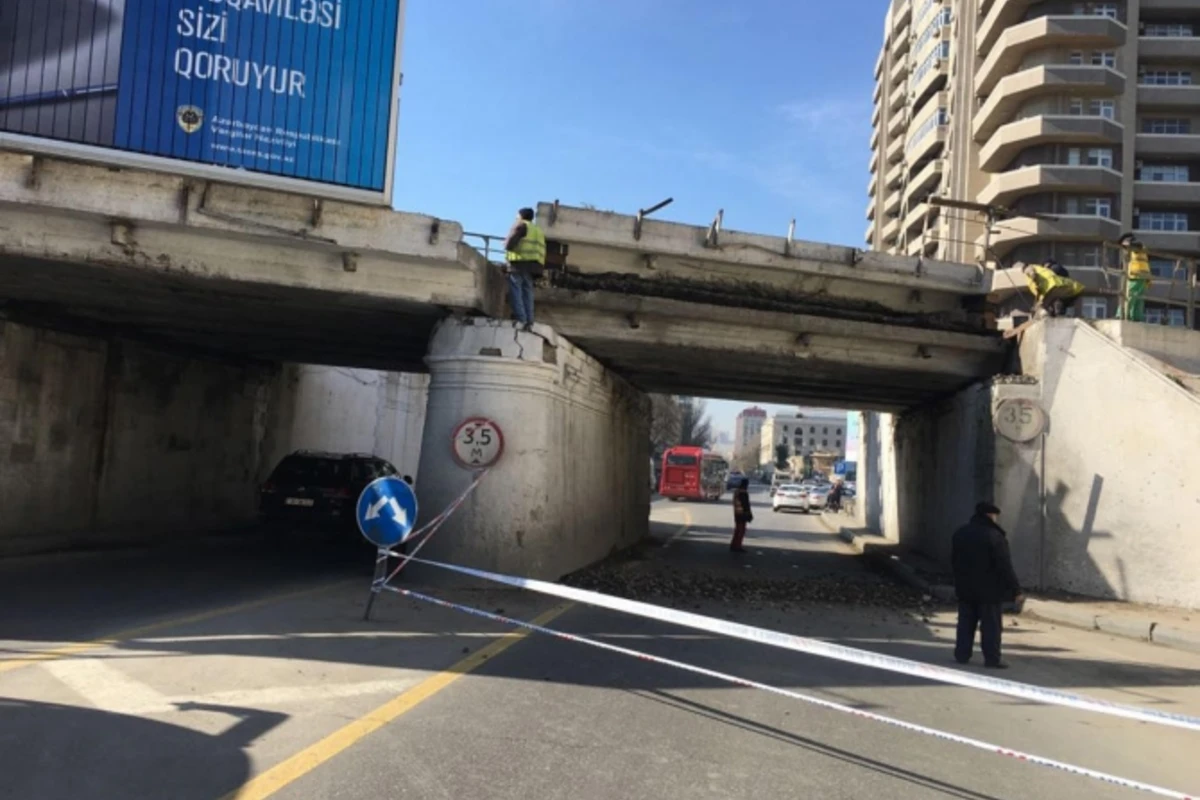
657,583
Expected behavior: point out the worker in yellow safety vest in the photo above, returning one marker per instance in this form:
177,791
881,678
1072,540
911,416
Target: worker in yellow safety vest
525,260
1052,286
1138,275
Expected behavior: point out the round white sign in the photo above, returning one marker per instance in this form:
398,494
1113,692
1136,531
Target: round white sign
1020,420
478,443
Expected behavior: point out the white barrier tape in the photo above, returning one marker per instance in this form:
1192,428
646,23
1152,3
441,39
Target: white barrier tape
432,527
909,726
817,647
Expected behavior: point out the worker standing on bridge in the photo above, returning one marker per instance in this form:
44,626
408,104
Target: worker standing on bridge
1052,286
743,514
1138,275
984,579
525,256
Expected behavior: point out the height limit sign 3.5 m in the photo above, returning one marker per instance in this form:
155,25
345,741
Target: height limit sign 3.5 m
478,443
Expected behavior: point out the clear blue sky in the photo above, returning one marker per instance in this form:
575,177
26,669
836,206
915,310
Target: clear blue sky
759,107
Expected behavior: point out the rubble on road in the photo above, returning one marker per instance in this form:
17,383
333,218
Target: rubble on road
658,582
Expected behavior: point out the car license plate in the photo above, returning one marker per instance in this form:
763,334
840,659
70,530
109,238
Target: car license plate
298,501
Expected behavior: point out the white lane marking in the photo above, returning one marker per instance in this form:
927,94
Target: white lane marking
107,688
103,686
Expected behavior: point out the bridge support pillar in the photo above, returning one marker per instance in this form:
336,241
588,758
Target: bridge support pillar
572,483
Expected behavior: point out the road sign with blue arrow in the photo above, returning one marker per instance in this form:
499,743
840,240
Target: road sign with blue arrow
387,511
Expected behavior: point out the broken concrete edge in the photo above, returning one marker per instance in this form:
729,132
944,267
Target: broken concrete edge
1141,628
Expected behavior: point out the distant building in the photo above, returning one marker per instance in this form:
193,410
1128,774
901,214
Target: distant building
805,433
748,433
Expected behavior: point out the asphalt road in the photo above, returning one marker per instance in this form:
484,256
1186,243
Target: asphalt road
245,672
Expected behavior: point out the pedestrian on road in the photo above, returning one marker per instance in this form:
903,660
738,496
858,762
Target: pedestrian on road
743,514
984,579
1138,274
525,260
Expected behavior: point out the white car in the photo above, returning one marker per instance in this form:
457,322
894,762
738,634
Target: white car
790,496
818,497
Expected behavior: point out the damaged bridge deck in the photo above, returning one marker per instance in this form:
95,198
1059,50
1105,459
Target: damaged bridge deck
695,310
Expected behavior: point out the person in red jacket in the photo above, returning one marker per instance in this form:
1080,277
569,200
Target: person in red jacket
742,515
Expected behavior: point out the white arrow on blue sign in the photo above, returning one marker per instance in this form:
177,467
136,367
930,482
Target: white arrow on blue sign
387,511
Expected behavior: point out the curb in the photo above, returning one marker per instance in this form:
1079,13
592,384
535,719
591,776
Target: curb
1142,629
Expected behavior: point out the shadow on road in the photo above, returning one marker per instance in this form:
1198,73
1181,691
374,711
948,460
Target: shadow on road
56,752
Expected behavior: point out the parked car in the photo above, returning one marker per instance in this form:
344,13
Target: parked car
790,496
818,496
318,490
734,479
779,479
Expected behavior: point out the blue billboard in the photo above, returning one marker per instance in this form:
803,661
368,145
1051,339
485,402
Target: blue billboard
298,94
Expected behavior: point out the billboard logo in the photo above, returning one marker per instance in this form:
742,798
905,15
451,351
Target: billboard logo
190,118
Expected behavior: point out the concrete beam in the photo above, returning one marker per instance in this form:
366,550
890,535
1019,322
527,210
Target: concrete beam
604,242
673,346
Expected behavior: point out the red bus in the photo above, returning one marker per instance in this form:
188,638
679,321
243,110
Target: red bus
691,473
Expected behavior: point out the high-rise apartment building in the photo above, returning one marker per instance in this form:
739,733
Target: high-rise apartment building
747,432
1083,115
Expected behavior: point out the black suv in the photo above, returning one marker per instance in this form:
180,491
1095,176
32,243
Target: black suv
319,490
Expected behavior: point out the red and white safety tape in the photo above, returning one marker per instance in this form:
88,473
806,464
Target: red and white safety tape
817,647
909,726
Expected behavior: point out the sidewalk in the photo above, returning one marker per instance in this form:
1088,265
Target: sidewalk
1170,627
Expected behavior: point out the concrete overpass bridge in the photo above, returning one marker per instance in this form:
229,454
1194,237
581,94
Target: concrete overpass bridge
251,278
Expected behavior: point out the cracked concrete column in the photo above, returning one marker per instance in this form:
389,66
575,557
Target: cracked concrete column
572,483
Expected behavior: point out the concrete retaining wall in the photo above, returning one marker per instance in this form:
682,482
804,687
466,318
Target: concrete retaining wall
108,441
345,410
572,484
1122,467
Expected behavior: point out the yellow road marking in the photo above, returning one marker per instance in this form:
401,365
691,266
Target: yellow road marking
133,633
315,755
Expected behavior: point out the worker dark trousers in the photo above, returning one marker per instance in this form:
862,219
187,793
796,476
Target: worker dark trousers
739,533
986,617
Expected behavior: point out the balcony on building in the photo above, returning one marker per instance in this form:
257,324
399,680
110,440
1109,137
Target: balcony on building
925,178
929,76
1183,242
1012,233
1174,184
869,236
1009,140
895,150
901,15
875,133
897,99
1006,188
920,217
1068,32
927,133
873,184
1186,97
894,179
1168,228
1170,39
898,72
871,209
892,203
1001,15
876,115
1168,145
926,246
1015,90
897,124
891,230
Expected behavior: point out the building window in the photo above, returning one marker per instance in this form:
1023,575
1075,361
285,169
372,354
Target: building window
785,428
824,443
1165,173
839,431
1176,318
812,429
1095,10
1154,316
1169,126
1095,308
825,431
938,53
1170,30
1166,77
1075,59
838,444
1092,108
1104,58
1162,267
1091,157
1163,221
1081,255
1090,206
933,28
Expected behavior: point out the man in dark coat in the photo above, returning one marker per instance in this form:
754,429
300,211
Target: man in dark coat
984,580
743,513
